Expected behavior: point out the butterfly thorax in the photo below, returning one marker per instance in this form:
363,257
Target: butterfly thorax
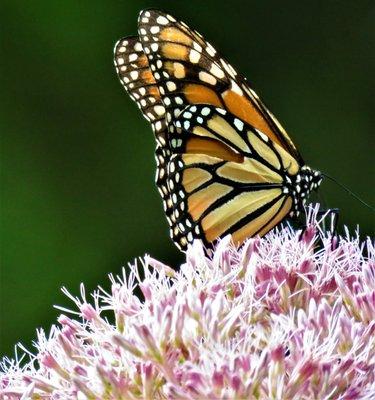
300,186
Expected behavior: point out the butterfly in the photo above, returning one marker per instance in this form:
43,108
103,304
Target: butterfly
225,165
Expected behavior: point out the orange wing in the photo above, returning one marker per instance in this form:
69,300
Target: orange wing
188,70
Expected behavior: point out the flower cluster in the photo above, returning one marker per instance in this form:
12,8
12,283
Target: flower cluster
287,316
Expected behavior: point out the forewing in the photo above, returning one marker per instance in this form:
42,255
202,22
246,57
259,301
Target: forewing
188,70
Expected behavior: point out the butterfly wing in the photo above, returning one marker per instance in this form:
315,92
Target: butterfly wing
228,178
134,72
224,163
133,69
188,70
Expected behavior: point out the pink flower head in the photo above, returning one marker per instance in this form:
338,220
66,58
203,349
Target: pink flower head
287,316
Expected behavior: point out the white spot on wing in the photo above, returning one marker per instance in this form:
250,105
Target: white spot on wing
133,57
162,20
239,124
171,86
197,47
138,47
205,111
210,50
263,136
236,88
160,110
208,78
194,56
134,74
215,70
154,29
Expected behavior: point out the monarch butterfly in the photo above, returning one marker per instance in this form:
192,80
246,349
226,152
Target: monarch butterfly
225,165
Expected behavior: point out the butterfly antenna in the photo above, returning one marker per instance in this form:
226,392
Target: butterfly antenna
349,191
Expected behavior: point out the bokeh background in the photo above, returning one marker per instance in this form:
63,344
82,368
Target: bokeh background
78,198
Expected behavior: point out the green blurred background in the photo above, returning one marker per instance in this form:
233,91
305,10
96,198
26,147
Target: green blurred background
78,198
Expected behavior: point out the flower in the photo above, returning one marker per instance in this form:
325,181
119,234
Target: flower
287,316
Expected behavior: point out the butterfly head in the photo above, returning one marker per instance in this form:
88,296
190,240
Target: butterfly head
301,185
